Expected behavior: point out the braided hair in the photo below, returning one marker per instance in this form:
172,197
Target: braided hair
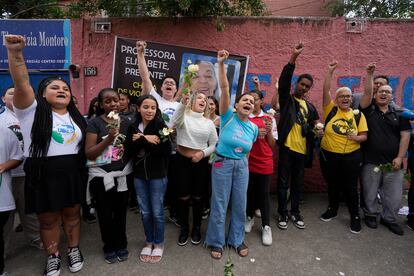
43,121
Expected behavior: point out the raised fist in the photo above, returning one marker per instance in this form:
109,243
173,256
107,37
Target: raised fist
332,66
14,42
222,55
141,45
298,48
371,68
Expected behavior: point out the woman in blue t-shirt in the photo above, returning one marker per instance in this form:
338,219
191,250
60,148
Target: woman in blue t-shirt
230,171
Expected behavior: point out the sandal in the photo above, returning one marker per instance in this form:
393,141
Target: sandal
242,250
145,255
156,255
216,252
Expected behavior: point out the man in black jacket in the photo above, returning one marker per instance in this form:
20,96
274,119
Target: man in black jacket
296,138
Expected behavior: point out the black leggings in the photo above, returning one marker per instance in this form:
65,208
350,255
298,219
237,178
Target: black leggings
4,217
191,182
258,195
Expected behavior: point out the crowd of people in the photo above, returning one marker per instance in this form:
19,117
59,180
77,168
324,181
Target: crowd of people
188,151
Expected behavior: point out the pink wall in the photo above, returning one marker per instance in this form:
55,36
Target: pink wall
268,42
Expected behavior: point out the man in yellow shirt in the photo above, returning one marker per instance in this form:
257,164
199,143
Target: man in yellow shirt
297,119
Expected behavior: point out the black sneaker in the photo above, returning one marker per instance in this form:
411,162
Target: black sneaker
371,222
110,257
195,235
355,224
393,227
183,238
52,266
329,214
75,259
122,255
282,222
298,221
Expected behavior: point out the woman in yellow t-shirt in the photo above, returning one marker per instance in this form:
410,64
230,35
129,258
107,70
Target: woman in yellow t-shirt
341,157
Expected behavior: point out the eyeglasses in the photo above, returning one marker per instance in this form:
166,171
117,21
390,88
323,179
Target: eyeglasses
343,97
384,92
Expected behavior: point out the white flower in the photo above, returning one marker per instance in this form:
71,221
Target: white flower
271,112
355,111
319,126
376,169
111,114
193,68
189,61
167,131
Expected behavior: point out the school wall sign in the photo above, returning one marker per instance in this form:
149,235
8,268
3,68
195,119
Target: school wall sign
47,43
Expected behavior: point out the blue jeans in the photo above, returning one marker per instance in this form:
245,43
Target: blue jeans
150,195
229,177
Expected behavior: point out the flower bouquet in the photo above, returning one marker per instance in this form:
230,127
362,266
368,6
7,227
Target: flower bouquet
190,72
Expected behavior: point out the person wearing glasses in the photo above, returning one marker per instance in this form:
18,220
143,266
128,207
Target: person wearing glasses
384,151
341,154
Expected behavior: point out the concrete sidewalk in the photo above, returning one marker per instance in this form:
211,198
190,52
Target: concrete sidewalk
323,248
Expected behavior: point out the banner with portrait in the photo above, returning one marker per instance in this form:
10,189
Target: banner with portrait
171,60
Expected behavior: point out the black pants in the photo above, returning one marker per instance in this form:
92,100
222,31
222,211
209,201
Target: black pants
111,207
132,194
171,193
192,179
4,217
341,172
291,167
258,196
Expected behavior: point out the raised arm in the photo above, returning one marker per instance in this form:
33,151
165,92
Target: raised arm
275,99
222,55
296,52
256,83
368,87
23,92
143,68
285,79
327,83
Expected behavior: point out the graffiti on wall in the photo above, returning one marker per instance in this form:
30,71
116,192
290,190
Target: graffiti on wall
355,83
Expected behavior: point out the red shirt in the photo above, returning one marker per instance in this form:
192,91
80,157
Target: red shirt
261,154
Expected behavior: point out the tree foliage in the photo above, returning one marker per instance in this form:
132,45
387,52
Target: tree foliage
373,8
130,8
30,9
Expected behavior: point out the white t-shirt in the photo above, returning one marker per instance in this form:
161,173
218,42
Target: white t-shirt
167,108
9,120
9,150
66,135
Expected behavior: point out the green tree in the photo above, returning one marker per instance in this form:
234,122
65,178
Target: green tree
30,9
169,8
373,8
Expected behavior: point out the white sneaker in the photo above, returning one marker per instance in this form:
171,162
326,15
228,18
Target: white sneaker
266,235
248,224
257,213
